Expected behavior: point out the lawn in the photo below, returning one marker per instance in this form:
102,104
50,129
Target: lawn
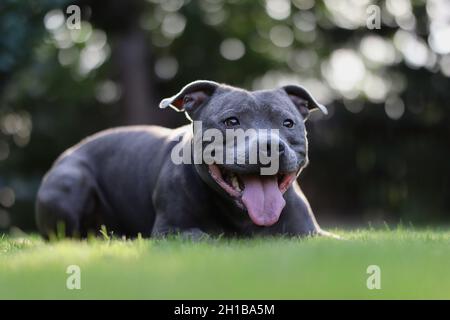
413,263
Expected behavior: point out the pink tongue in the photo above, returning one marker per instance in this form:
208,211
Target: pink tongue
262,199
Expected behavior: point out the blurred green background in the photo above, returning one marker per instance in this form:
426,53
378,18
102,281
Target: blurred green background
381,155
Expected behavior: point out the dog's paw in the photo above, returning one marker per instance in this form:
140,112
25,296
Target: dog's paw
194,234
327,234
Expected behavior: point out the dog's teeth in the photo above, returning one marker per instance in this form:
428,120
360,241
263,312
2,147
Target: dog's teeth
235,183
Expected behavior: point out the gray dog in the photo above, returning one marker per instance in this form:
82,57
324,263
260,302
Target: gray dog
125,179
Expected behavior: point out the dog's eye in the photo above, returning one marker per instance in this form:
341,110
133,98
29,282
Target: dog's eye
231,122
288,123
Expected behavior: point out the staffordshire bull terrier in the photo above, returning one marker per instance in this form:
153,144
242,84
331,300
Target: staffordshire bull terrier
127,180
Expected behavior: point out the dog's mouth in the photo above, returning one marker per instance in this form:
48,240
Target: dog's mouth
260,195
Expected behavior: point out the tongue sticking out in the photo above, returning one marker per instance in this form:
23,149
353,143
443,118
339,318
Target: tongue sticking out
263,199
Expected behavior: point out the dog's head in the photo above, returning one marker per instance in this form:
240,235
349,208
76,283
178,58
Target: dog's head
253,143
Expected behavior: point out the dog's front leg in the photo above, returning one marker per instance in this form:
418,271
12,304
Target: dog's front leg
162,228
298,218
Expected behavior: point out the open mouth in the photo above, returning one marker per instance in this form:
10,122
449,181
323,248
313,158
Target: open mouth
260,195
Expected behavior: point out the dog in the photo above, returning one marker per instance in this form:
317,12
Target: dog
126,180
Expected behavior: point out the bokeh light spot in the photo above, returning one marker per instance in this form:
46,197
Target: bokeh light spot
232,49
54,19
173,25
394,108
166,67
108,92
278,9
281,36
344,70
7,197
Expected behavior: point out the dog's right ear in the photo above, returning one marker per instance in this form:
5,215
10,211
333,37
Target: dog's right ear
191,96
303,100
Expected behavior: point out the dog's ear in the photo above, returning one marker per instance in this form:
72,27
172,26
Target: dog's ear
191,96
303,100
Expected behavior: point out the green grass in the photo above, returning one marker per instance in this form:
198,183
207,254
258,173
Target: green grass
414,264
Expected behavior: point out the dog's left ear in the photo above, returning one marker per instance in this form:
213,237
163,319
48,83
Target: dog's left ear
191,96
303,100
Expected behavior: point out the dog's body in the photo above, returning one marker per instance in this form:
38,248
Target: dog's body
124,178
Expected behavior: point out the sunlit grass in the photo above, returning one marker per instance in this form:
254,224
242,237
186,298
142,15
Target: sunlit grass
414,264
